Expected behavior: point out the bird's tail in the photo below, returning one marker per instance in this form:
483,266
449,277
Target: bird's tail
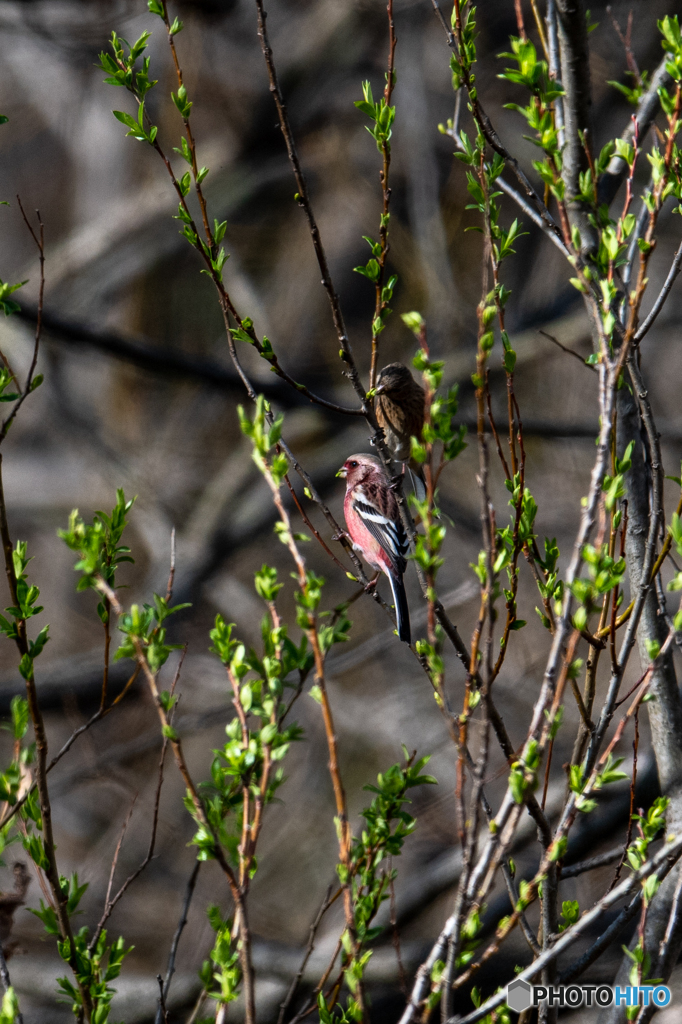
402,612
417,480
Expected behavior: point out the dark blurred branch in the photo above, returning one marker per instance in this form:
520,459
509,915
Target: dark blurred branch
599,861
157,359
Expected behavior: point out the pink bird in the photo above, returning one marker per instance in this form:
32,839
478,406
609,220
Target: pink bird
375,528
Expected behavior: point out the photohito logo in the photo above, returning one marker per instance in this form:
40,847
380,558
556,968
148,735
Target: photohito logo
521,995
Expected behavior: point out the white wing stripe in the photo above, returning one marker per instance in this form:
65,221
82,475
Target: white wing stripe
392,534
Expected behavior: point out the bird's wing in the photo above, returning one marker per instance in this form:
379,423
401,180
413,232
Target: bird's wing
387,531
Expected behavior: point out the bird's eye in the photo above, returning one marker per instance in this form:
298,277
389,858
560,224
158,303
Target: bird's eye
354,464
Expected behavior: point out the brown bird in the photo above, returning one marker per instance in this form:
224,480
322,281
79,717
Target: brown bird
399,408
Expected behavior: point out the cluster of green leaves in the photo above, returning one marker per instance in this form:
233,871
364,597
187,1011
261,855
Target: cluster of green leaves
11,778
462,62
513,537
121,71
380,113
25,608
503,239
614,486
577,781
552,589
534,76
481,185
632,94
264,438
245,332
372,270
649,825
157,7
8,305
523,775
382,116
6,378
96,968
675,530
641,960
145,626
604,573
220,975
387,826
570,912
238,765
499,1016
9,1009
99,546
667,183
439,427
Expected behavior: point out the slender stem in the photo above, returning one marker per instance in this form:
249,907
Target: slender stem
296,980
381,303
170,970
60,898
304,201
39,240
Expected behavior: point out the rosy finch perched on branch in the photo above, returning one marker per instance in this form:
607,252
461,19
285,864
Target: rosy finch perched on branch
399,410
374,526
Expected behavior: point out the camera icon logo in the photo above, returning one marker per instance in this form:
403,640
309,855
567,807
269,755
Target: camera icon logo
519,996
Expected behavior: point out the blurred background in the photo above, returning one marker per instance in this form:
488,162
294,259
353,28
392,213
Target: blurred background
139,393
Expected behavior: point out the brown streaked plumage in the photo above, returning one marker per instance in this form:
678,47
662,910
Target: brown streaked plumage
399,408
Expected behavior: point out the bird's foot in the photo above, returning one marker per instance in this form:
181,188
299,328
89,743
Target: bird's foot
371,586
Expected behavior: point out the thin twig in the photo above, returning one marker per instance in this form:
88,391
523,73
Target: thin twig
162,1001
304,202
570,351
59,897
662,296
326,903
111,902
598,861
40,244
170,970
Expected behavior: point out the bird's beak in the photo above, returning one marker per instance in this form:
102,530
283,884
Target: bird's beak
343,472
380,390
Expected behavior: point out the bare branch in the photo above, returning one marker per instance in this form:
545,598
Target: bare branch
170,970
662,296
